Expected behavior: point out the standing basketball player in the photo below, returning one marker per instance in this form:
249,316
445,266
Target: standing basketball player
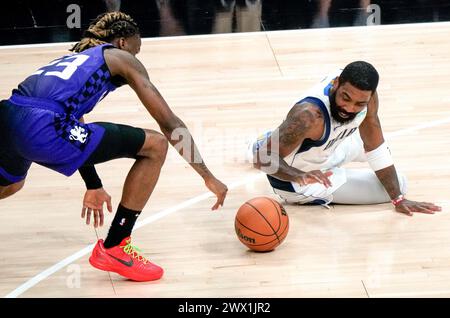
42,122
333,124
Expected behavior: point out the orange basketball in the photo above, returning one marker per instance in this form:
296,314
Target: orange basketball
261,224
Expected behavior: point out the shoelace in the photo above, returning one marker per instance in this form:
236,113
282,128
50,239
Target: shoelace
326,205
134,252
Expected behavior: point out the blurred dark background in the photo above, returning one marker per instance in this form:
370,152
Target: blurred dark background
38,21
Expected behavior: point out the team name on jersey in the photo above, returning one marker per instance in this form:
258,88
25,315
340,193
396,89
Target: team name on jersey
343,134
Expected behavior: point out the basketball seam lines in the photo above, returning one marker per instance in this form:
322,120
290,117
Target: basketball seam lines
287,217
281,234
265,220
280,216
278,213
252,230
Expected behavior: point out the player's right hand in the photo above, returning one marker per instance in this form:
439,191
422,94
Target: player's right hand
315,176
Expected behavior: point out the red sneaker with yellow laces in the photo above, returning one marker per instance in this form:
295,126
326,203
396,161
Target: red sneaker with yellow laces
126,260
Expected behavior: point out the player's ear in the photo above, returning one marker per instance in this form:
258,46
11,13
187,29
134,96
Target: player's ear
121,43
336,83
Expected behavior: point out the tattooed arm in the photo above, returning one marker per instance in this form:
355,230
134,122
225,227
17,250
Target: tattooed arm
302,121
372,136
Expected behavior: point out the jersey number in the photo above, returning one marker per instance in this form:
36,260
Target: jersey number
69,67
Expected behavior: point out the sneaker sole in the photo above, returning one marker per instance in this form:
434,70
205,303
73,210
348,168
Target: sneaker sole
136,278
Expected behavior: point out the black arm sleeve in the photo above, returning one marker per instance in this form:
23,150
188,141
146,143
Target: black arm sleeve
90,177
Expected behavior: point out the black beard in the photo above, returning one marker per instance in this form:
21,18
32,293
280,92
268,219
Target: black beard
335,110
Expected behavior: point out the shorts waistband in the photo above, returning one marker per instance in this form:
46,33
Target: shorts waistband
36,102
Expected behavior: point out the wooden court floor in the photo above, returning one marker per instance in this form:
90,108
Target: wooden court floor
228,88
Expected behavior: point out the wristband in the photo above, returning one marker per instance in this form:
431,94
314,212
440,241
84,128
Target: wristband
380,157
398,199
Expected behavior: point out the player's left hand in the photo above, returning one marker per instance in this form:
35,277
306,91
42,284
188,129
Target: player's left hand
219,189
408,207
93,203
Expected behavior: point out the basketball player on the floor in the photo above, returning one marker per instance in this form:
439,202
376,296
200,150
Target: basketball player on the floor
42,122
333,124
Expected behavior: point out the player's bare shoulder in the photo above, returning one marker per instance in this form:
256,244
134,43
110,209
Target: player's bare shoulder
306,111
308,119
303,121
117,60
121,62
126,65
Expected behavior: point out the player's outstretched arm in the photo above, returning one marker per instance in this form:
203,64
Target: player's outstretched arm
298,125
131,69
381,162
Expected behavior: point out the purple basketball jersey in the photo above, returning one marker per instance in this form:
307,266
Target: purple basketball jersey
48,105
77,81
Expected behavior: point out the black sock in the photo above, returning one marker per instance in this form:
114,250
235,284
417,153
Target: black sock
121,226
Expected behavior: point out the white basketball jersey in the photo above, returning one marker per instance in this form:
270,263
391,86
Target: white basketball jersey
313,155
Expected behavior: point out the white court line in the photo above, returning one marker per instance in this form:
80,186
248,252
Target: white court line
72,258
409,130
49,271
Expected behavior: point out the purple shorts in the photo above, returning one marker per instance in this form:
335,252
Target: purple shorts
43,133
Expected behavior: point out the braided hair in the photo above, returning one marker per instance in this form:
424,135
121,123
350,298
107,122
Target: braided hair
105,28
